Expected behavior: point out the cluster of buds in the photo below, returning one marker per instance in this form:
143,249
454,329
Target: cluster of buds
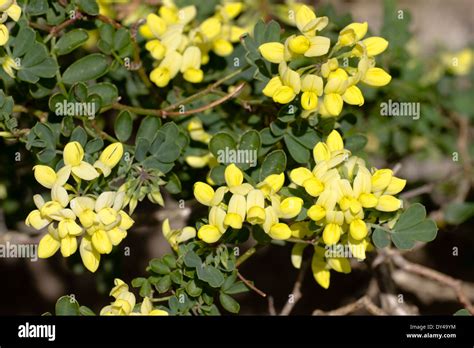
260,205
179,44
348,199
74,212
125,300
327,80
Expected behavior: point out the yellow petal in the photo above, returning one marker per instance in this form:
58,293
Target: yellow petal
101,242
290,207
284,95
331,234
45,175
272,86
316,212
156,25
353,96
340,264
73,153
222,47
299,44
209,234
376,77
375,45
280,231
358,229
333,103
85,171
334,141
204,193
309,100
319,46
4,34
233,175
68,246
388,203
48,246
90,257
273,52
297,254
320,273
396,186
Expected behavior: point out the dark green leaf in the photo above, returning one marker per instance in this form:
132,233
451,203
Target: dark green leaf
87,68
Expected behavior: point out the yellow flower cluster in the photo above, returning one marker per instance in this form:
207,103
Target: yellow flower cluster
328,81
179,46
101,223
8,9
260,205
346,192
125,302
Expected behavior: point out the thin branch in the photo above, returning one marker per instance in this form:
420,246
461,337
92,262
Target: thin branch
165,112
442,278
250,285
362,303
417,191
296,292
271,306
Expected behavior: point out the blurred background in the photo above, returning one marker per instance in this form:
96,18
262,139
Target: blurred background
430,59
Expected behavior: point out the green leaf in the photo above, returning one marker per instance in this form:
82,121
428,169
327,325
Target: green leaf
412,226
79,135
380,238
145,289
457,213
193,289
70,41
299,153
173,185
274,163
107,91
237,288
86,311
462,312
229,303
123,126
250,142
219,143
87,68
355,143
191,259
67,305
159,267
164,284
46,155
210,275
88,6
148,128
94,145
138,282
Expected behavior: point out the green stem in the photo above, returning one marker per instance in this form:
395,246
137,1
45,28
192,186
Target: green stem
386,229
161,299
245,256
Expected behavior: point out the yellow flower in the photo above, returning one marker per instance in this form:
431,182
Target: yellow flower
167,70
73,159
109,158
312,88
206,195
352,33
191,65
174,237
255,207
209,233
234,179
236,211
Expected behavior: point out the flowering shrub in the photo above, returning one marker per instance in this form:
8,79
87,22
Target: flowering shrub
264,126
